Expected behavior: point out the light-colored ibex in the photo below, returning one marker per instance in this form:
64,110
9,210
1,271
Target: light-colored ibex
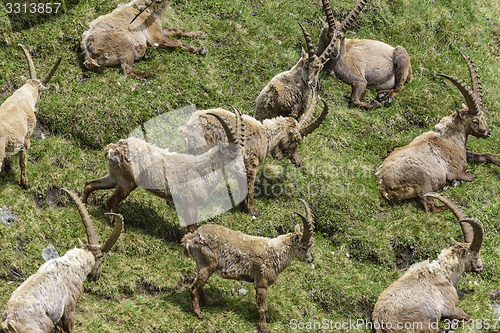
133,162
439,156
18,120
259,138
237,256
50,295
114,40
426,292
363,63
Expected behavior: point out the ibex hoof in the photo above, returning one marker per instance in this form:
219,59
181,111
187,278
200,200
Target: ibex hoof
380,96
203,51
389,100
203,35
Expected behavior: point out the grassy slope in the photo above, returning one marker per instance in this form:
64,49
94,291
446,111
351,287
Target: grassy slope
360,242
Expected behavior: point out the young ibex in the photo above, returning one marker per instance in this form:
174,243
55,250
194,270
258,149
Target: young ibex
50,295
259,138
237,256
134,162
113,39
426,292
439,156
363,63
18,120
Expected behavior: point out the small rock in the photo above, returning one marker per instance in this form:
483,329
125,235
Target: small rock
6,217
49,253
496,311
242,291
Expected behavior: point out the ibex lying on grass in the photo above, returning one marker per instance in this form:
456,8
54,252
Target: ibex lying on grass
439,156
259,138
237,256
18,120
113,40
363,63
50,295
426,292
134,162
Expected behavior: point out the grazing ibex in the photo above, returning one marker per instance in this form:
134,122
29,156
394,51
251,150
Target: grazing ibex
439,156
259,138
426,292
18,120
50,295
134,162
363,63
237,256
114,40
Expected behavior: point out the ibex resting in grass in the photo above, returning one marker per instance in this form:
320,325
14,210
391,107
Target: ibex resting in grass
259,138
114,40
426,292
237,256
363,63
18,120
134,162
50,295
439,156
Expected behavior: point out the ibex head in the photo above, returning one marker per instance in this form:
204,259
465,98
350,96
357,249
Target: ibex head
303,242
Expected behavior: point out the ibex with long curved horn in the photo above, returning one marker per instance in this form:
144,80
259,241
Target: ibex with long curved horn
426,292
237,256
50,295
439,156
363,63
18,120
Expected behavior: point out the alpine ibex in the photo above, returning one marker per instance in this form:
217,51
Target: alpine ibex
259,138
439,156
426,292
237,256
18,120
50,295
113,39
363,63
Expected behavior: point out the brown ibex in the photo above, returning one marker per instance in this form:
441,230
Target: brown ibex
439,156
114,40
237,256
18,120
426,292
50,295
363,63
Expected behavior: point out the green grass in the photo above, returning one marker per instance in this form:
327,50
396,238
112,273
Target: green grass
362,244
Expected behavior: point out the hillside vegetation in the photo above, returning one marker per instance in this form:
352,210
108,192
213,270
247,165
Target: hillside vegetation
361,245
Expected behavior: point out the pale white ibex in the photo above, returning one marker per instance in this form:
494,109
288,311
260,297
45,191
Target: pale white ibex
237,256
50,295
426,292
363,63
18,120
114,40
439,156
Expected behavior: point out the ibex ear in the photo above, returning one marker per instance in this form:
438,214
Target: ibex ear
350,32
297,228
304,54
81,243
24,79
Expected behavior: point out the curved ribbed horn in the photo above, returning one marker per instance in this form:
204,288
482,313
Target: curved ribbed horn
330,19
87,220
30,62
474,76
323,58
349,20
240,130
472,103
308,114
47,77
310,47
307,221
477,226
115,234
316,123
231,136
457,211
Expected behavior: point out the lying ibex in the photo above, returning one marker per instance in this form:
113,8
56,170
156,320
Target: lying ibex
439,156
237,256
50,295
259,138
134,162
426,292
18,120
113,39
363,63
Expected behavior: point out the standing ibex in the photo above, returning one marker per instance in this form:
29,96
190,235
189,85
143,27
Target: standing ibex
18,120
237,256
50,295
439,156
426,292
363,63
259,138
113,39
